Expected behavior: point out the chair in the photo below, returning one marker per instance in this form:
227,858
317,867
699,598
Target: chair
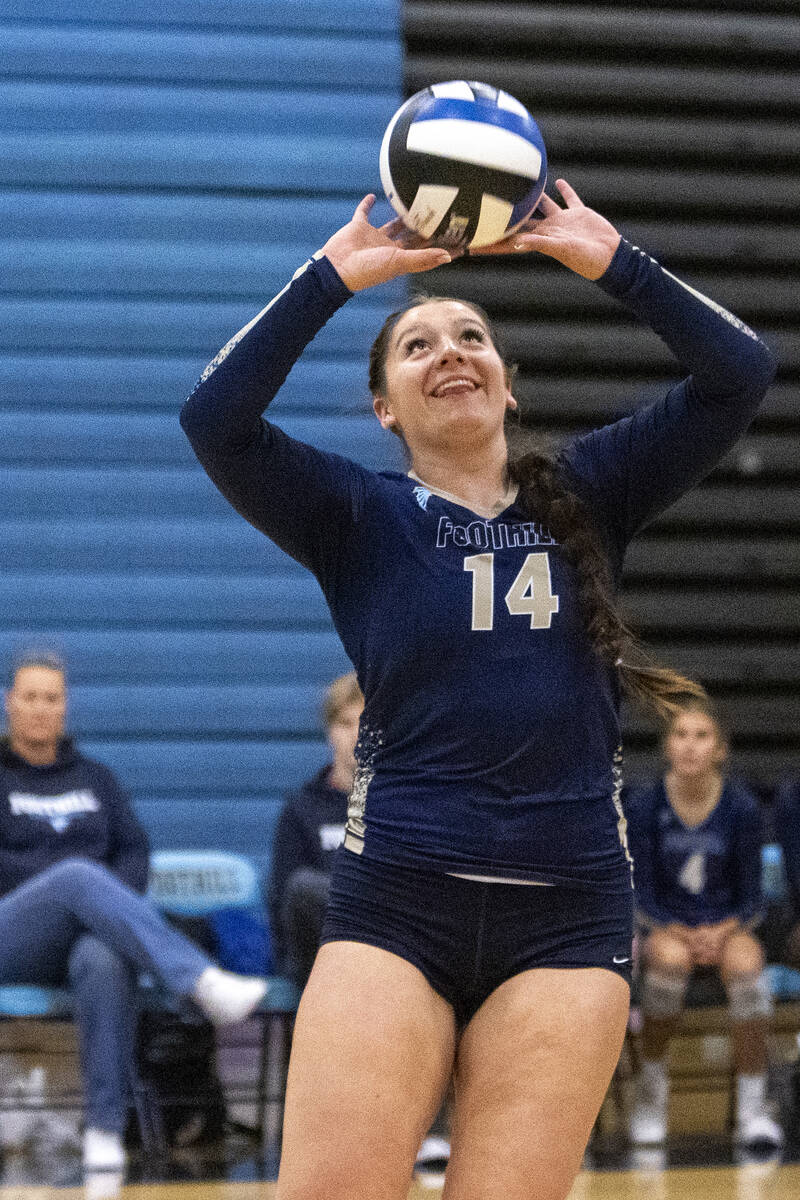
200,883
32,1002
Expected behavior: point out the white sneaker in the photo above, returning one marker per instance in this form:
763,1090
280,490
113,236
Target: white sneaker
758,1128
103,1150
433,1150
647,1125
225,997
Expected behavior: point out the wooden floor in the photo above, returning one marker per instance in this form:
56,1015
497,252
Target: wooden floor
757,1181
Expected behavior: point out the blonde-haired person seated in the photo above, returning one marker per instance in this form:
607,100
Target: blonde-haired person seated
695,837
310,830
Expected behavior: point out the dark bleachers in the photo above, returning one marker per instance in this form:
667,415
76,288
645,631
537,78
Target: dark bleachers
680,125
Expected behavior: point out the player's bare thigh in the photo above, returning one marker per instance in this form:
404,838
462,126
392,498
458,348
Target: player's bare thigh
533,1067
372,1055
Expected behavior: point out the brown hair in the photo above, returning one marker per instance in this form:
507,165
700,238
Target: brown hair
544,498
708,708
343,692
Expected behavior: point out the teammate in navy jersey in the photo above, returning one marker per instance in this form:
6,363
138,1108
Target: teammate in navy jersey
696,843
309,832
474,598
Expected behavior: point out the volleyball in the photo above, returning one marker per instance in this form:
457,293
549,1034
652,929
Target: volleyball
463,163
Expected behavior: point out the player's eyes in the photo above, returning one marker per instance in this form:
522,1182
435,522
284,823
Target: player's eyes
474,334
415,343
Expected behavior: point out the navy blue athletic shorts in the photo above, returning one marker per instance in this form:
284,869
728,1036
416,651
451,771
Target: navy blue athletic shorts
468,937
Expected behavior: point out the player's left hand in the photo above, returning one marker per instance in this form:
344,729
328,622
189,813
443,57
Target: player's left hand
575,235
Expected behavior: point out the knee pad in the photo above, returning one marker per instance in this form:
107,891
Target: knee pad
663,994
749,997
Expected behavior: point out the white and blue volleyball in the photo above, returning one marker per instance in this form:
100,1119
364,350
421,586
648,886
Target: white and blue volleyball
463,163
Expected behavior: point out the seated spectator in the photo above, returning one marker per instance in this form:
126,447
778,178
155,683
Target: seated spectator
310,830
695,838
73,865
785,929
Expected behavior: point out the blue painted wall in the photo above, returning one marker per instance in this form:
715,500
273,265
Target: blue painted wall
163,170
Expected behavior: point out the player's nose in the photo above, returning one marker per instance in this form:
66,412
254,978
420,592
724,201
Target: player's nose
449,348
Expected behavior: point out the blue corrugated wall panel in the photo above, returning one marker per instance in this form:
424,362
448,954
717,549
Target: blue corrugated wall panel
163,171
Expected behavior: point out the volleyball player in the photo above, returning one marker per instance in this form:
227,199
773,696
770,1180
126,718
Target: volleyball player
696,841
481,909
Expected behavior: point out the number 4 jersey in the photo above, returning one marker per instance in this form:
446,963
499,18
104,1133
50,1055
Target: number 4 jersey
696,874
489,741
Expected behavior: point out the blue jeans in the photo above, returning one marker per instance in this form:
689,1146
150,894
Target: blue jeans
77,924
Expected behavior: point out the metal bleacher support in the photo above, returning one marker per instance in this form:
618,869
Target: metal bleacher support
680,125
163,171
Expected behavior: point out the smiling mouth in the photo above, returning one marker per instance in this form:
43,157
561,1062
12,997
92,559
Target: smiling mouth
452,386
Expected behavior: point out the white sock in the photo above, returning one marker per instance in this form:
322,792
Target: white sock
654,1072
751,1092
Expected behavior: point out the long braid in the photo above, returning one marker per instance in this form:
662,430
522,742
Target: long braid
544,498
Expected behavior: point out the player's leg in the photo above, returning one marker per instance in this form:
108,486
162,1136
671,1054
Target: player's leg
741,967
666,966
371,1058
533,1066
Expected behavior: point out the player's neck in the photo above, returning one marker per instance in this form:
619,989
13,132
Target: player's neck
480,481
341,777
693,797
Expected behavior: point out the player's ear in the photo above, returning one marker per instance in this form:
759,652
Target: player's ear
384,414
511,404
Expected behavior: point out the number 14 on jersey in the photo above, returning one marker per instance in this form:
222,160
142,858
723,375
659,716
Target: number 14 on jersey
531,593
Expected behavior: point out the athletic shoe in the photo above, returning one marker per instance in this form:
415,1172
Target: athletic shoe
103,1150
758,1128
226,998
434,1153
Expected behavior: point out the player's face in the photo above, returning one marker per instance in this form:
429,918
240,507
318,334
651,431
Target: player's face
445,381
36,706
694,746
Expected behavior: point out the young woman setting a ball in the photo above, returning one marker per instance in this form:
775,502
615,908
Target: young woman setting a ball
481,909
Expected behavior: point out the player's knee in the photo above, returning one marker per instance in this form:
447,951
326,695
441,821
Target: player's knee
741,955
75,875
749,997
663,993
667,954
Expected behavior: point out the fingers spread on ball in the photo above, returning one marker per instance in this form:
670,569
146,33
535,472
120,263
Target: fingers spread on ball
571,197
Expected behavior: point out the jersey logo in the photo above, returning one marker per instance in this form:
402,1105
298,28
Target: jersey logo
422,496
58,811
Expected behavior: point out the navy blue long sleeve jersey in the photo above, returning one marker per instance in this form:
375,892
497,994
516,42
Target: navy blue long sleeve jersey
490,736
72,808
696,875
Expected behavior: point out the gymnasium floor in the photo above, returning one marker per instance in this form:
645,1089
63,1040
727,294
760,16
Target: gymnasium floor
690,1169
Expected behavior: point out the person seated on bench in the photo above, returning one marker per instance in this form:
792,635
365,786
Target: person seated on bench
695,838
310,830
73,865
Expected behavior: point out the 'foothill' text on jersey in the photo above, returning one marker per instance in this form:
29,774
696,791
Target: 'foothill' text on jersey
489,740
